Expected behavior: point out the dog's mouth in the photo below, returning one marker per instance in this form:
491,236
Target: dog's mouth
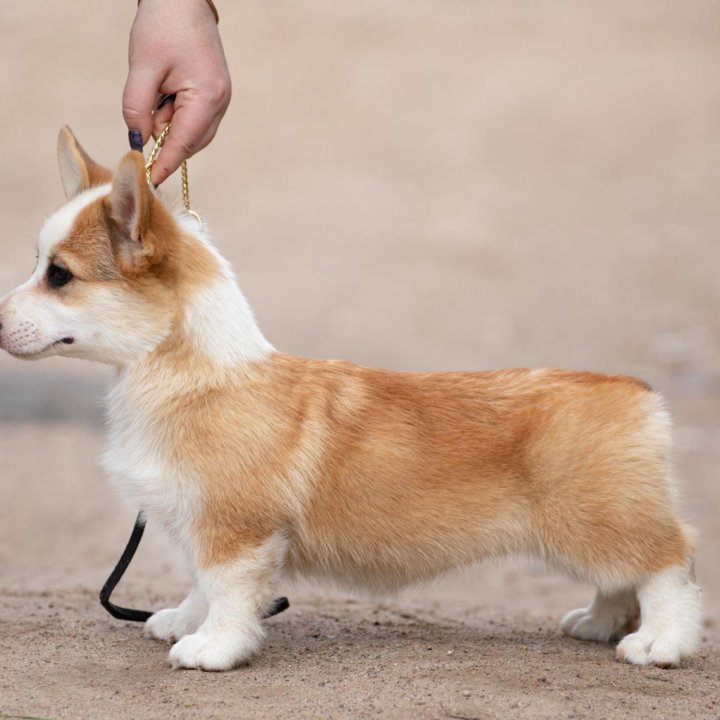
49,350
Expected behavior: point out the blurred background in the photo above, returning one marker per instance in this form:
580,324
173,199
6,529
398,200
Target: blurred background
436,184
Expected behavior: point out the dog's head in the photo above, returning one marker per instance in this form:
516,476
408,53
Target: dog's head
108,269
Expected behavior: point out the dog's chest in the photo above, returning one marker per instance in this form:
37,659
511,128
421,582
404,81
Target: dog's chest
140,464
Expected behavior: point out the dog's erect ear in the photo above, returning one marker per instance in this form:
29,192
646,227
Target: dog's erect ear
78,171
130,202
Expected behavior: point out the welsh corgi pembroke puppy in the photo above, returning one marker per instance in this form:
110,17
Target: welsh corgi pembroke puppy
261,464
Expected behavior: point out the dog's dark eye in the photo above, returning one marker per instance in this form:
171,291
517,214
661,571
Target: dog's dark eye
58,276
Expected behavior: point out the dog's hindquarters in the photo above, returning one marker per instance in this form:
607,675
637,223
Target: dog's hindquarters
622,532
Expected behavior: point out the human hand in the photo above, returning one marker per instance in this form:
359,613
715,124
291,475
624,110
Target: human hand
175,49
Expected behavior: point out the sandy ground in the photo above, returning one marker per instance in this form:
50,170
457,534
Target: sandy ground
428,185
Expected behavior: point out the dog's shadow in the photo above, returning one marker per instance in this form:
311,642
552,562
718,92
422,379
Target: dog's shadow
348,635
511,656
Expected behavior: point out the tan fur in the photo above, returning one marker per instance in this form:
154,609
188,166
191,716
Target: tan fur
395,476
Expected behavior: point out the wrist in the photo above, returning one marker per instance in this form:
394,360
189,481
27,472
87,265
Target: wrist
213,9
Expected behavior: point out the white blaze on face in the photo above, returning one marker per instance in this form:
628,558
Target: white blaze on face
34,321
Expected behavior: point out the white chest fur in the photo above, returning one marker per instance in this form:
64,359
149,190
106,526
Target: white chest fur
140,465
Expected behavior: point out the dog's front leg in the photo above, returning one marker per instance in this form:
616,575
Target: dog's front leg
237,593
172,624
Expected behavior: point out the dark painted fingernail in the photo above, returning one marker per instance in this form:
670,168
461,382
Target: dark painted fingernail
164,100
136,141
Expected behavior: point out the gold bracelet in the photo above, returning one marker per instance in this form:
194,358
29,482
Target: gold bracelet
212,7
214,11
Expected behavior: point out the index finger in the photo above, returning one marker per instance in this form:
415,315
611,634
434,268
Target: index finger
139,99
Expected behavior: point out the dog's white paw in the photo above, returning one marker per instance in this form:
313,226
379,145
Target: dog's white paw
171,624
213,652
642,649
609,617
590,624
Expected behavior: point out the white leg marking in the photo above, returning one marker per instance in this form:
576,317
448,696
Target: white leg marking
608,617
172,624
237,594
671,613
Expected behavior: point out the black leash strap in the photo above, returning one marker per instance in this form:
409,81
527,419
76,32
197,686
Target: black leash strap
121,613
116,611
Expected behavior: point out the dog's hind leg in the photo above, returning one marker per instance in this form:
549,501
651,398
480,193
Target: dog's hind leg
670,611
609,617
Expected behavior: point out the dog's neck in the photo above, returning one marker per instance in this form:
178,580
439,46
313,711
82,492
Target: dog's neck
215,329
219,325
